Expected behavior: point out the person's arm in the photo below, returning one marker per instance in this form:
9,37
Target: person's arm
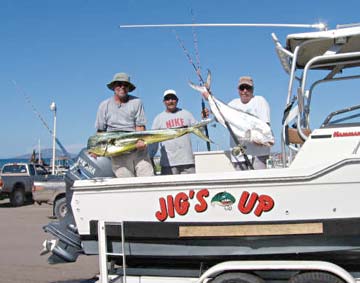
140,122
153,148
140,144
100,123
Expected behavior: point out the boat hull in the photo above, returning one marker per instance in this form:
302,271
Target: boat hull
294,213
160,244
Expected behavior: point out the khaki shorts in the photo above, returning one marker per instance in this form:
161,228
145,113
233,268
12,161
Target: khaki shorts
133,164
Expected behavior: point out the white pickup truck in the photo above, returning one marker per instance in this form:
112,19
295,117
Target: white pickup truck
17,179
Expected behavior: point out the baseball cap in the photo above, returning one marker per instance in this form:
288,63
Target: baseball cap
246,81
170,92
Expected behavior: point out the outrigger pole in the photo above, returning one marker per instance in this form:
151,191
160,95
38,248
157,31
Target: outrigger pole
27,98
319,26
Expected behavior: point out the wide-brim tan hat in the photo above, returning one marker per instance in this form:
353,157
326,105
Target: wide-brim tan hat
121,77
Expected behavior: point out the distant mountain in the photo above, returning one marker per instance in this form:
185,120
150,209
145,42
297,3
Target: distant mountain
46,153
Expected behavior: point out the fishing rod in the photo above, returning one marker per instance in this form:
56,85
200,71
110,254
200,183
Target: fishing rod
28,100
202,82
197,56
207,86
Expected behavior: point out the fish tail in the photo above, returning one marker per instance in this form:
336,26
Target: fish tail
197,87
197,129
200,134
208,80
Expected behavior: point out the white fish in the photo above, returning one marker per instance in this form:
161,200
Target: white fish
244,125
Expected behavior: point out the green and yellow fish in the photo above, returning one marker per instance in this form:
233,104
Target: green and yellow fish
117,143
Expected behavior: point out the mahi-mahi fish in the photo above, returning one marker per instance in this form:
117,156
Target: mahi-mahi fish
116,143
246,126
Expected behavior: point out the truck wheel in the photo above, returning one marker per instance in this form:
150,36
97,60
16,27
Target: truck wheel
315,277
17,197
237,277
60,208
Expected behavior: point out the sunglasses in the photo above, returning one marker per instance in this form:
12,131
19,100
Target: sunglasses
170,97
247,87
120,84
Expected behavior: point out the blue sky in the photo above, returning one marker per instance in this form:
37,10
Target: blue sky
67,51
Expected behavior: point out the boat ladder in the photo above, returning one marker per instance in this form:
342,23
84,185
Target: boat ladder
104,253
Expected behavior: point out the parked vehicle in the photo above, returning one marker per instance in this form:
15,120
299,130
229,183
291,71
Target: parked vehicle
51,191
17,179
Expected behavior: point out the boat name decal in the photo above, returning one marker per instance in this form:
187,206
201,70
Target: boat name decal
338,134
181,203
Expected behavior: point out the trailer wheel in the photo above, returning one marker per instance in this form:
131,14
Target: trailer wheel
17,197
237,277
315,277
60,208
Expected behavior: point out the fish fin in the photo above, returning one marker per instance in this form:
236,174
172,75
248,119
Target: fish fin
111,141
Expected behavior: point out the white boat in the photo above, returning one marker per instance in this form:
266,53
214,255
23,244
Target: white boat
307,210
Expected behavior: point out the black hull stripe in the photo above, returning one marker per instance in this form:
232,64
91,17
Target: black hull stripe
171,230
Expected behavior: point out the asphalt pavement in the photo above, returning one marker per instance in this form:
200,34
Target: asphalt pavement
21,238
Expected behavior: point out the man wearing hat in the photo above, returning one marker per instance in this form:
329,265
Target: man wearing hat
258,106
176,154
124,112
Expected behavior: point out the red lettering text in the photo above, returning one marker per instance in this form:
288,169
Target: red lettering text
200,196
266,203
245,205
181,203
171,210
162,214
